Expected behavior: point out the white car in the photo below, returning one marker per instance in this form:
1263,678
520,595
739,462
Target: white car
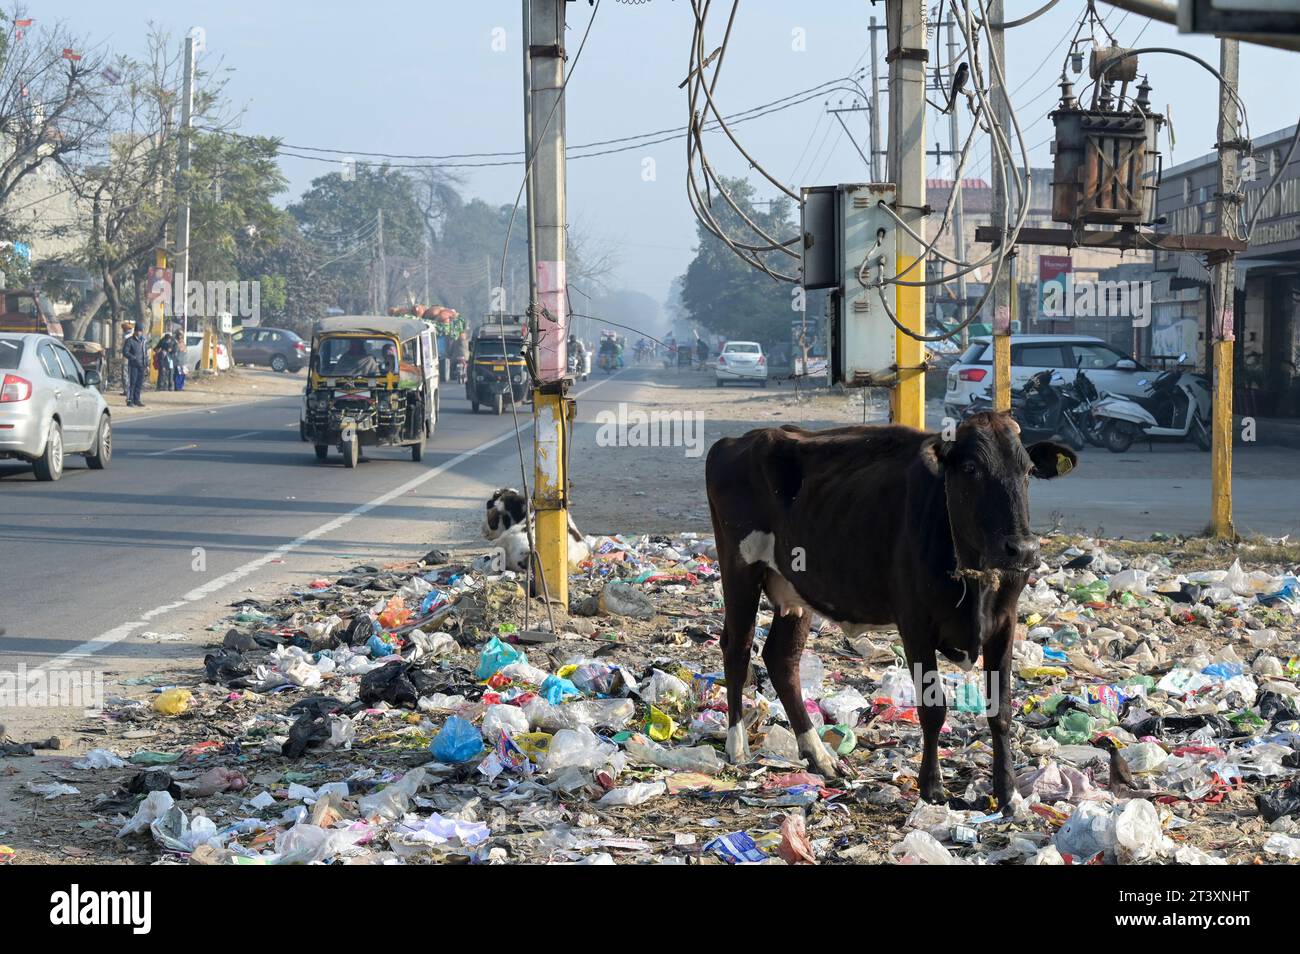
194,353
741,361
50,407
1110,370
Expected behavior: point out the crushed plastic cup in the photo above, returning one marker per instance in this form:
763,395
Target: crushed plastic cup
811,674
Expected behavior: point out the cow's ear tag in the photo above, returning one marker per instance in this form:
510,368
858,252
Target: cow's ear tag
1063,465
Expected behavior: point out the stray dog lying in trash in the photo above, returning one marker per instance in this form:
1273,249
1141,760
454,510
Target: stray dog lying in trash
510,522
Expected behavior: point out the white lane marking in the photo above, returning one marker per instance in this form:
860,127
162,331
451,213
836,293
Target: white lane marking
235,437
119,633
170,450
120,422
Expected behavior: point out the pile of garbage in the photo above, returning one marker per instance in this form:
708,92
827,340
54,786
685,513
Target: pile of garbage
417,713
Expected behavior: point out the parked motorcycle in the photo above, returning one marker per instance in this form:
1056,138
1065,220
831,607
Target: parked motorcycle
1176,405
1047,408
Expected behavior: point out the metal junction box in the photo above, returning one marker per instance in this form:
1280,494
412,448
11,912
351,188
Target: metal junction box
849,241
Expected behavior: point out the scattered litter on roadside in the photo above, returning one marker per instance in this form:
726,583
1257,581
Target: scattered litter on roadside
409,713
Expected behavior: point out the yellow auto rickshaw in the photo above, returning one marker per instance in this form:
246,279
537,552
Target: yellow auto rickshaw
372,381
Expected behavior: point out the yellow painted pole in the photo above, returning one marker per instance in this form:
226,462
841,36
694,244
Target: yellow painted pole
1221,441
550,492
907,400
1223,292
1002,344
907,44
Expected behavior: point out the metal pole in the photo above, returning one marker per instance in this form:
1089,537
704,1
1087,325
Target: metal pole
1002,291
907,58
180,273
875,106
381,289
1223,290
958,210
552,408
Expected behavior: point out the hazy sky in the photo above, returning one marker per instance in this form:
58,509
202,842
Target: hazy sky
424,78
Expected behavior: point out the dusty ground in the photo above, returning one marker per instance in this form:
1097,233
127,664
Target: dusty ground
660,488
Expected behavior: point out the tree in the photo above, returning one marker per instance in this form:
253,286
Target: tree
728,296
55,97
339,220
128,185
232,181
295,291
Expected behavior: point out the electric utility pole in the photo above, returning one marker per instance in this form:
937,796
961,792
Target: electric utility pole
1223,293
180,273
958,218
875,105
381,285
1003,291
548,305
907,58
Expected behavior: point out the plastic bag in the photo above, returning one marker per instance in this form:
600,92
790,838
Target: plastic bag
497,655
458,741
921,848
1088,832
392,801
635,794
578,747
703,758
172,701
1137,831
843,707
896,685
510,718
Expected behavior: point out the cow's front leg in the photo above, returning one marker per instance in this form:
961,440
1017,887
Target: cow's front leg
997,702
932,709
740,588
781,654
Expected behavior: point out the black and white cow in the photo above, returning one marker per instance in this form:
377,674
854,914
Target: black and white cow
876,526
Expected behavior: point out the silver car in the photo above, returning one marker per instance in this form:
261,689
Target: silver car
50,407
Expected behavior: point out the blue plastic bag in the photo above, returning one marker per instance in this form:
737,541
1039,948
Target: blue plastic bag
458,741
555,689
380,647
497,655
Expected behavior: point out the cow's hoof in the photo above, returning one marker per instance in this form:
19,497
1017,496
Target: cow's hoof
933,793
1004,793
737,745
819,759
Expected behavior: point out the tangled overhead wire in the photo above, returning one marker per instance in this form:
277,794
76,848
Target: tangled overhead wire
764,251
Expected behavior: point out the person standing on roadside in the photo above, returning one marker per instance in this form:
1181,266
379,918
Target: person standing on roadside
137,362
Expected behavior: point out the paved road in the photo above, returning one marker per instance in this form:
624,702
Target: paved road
199,505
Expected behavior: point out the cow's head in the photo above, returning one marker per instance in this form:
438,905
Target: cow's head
986,473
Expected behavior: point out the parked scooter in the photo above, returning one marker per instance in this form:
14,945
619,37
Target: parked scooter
1046,408
1177,405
